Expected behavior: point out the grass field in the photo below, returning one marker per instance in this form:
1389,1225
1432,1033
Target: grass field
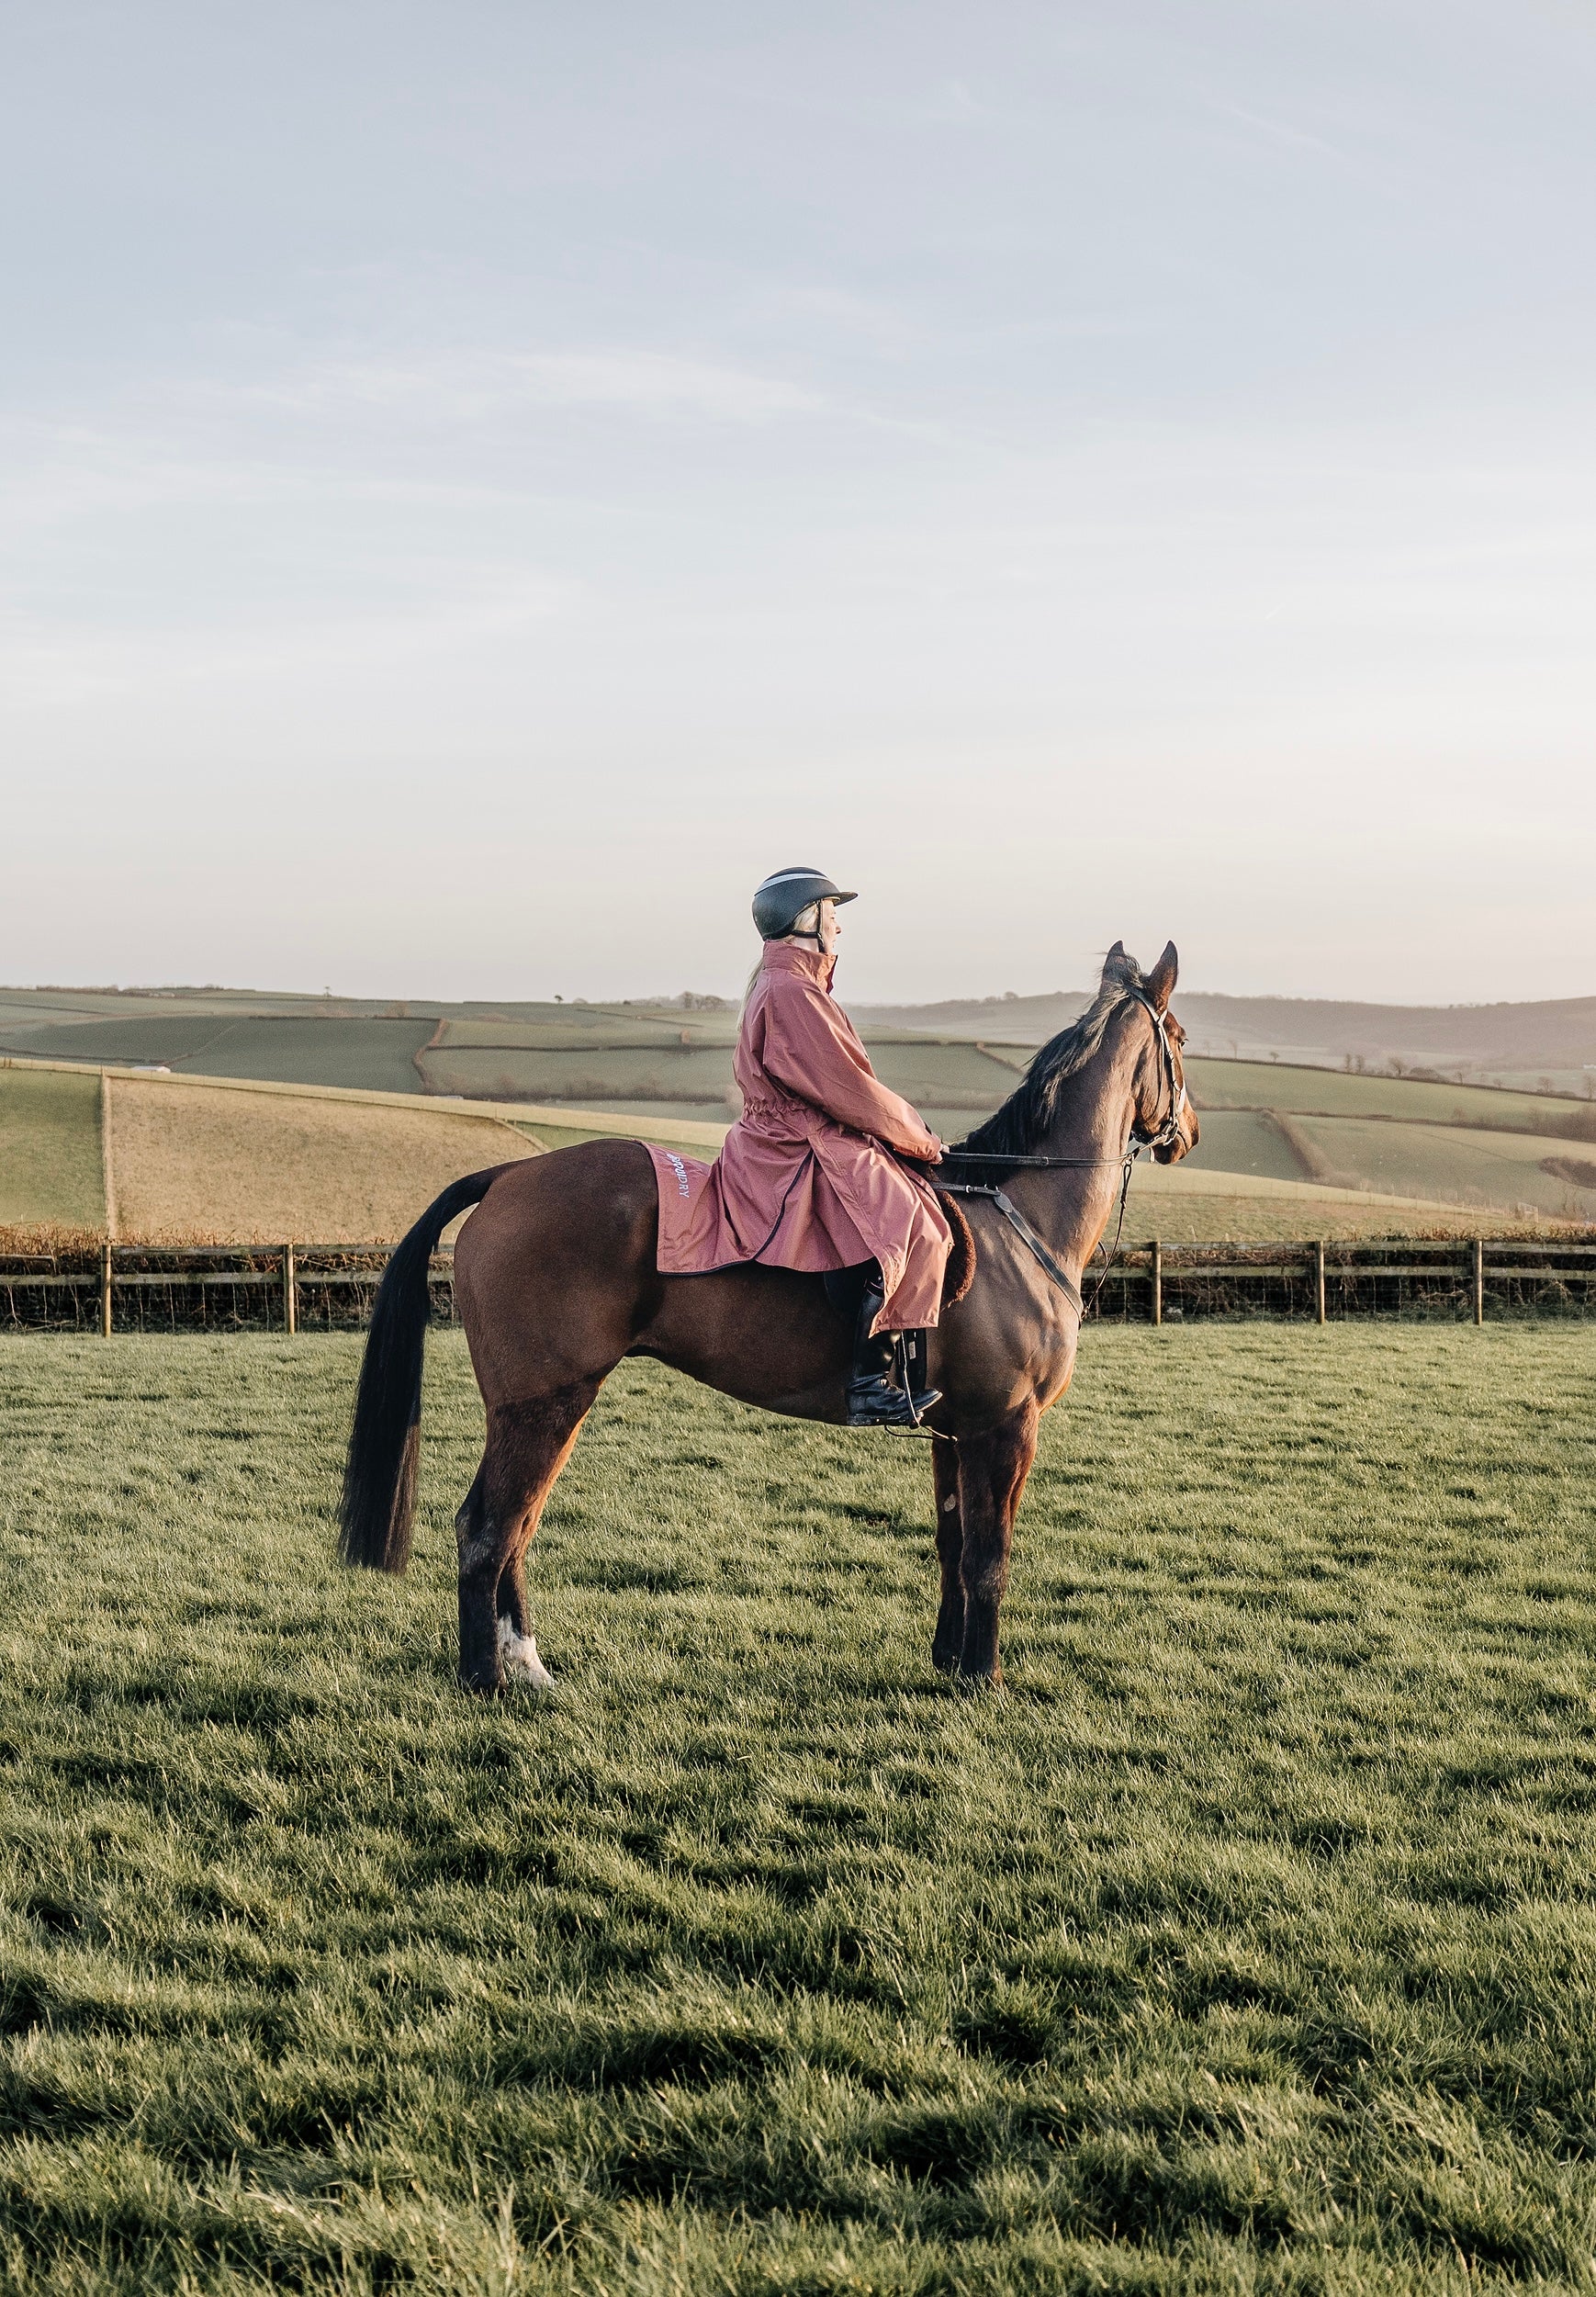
663,1064
1244,1140
1189,1204
51,1168
1246,1944
369,1054
1339,1093
194,1160
1466,1168
191,1160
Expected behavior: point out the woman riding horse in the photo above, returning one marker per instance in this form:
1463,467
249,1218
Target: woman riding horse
809,1177
561,1272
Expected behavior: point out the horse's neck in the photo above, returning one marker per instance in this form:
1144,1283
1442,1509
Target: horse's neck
1092,1120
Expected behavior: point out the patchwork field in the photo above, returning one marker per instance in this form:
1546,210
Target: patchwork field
1245,1944
193,1160
671,1063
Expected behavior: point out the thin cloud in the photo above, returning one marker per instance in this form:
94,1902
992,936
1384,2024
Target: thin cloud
482,386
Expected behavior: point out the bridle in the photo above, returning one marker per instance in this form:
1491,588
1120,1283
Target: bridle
1165,1136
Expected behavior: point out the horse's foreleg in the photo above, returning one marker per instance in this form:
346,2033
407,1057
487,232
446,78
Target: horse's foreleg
991,1473
528,1444
948,1641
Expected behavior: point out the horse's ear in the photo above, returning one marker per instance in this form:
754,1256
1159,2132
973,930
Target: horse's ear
1114,964
1161,981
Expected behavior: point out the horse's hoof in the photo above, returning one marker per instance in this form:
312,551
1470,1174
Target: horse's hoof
523,1671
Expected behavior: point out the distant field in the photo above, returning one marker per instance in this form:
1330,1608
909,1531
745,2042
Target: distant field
1244,1140
1183,1204
1466,1168
1335,1092
663,1073
373,1055
1245,1947
51,1170
192,1161
196,1160
685,1064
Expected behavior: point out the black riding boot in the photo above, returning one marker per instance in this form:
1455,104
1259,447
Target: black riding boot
874,1399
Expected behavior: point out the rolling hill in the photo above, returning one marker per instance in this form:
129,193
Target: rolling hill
249,1161
653,1065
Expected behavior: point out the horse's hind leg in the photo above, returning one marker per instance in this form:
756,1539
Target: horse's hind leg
948,1641
528,1444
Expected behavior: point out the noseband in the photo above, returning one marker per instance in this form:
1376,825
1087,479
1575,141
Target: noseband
1168,1132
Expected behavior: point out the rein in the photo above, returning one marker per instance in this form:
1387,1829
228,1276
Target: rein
1026,1234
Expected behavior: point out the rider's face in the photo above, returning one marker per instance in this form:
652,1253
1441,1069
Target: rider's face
830,928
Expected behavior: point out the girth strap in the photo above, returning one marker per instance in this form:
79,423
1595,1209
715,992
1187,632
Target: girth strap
1024,1231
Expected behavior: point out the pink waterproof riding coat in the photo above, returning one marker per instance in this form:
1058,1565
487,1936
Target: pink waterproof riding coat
804,1180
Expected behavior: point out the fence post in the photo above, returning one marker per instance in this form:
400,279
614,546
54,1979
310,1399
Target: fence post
1319,1280
1479,1279
290,1292
105,1289
1157,1251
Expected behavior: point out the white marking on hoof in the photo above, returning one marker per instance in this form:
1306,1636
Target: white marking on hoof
950,1503
518,1655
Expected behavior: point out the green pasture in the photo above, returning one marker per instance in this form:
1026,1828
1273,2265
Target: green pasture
371,1055
1341,1093
667,1072
1244,1140
1459,1166
1247,1943
51,1172
567,1028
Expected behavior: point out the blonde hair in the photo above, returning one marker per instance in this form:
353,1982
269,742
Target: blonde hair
807,921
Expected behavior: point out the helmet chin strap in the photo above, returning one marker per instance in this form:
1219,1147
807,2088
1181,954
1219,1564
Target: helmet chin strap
807,934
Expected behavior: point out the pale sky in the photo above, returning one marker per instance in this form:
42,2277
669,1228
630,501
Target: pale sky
482,485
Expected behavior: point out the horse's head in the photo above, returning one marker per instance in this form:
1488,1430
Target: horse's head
1165,1119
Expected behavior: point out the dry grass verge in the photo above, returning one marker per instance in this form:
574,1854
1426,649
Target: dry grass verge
204,1163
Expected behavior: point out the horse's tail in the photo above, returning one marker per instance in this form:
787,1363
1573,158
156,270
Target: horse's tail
380,1475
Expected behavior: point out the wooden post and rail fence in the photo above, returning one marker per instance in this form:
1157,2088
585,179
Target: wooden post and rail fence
292,1287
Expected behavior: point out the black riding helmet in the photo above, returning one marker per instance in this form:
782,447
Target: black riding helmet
785,895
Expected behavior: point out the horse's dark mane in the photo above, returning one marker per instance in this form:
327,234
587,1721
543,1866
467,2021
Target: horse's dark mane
1022,1124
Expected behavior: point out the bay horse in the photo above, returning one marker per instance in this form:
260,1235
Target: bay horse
554,1281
